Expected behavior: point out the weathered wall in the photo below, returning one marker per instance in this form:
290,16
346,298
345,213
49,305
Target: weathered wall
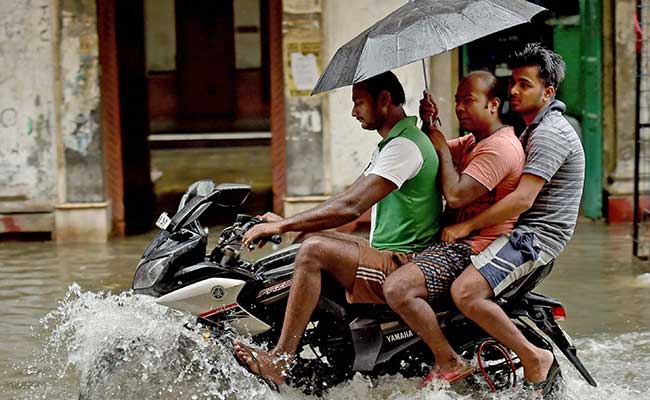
50,141
621,178
348,146
80,102
302,57
609,68
27,135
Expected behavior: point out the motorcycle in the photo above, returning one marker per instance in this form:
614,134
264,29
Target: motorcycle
228,293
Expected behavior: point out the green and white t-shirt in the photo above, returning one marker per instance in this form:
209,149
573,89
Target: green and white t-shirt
408,219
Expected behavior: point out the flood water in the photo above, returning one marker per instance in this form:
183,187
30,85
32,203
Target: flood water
71,329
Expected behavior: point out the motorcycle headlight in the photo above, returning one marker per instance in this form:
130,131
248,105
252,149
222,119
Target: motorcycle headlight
148,273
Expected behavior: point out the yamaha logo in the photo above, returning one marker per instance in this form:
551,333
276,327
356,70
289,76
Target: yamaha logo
399,336
218,292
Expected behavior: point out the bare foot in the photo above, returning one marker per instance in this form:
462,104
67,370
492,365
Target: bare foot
267,364
538,371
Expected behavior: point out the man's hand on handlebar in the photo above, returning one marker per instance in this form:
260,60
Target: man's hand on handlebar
266,229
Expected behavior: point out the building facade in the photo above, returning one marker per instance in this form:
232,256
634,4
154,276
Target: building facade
85,86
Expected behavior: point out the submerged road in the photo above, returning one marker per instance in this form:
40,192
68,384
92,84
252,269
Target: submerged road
69,330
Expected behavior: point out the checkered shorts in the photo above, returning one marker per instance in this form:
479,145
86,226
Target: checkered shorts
441,264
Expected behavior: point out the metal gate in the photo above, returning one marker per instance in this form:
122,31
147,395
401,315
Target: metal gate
641,245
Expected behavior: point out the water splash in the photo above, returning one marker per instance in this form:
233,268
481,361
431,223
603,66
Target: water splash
126,346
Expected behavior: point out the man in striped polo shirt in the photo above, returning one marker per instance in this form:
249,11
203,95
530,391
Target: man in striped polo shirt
399,186
547,197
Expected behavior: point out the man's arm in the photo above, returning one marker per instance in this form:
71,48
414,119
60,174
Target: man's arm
336,211
343,207
459,189
515,203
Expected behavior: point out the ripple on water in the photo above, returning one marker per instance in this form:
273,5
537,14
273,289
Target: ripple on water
621,365
124,346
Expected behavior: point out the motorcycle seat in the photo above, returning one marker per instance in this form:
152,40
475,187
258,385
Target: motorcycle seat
526,283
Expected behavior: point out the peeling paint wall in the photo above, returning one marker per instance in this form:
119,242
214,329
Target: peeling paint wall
302,46
80,102
625,55
27,136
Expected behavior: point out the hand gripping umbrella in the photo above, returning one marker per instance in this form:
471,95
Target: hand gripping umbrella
420,29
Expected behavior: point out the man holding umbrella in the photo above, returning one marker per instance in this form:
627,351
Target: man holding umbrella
476,170
399,185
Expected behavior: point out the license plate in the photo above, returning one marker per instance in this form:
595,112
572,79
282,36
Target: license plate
163,221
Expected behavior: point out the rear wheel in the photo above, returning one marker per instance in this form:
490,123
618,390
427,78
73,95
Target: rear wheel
499,367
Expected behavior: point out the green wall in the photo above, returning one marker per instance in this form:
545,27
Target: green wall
591,78
566,42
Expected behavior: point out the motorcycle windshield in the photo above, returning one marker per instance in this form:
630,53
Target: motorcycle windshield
160,238
195,214
225,195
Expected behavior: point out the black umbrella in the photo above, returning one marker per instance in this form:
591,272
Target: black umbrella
420,29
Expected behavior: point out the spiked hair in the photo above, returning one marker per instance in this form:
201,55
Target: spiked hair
551,65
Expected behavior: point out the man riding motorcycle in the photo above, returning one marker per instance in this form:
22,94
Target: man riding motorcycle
399,185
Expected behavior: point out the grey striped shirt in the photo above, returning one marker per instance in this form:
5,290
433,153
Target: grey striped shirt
553,152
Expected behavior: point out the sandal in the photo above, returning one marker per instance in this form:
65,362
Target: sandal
543,388
451,377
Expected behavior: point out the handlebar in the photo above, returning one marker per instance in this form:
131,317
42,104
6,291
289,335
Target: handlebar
230,245
275,239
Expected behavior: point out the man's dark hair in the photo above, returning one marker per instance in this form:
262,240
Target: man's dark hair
385,81
551,65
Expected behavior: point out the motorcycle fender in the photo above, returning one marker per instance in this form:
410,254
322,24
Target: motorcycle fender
563,342
367,340
210,299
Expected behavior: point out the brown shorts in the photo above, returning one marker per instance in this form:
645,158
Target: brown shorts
372,269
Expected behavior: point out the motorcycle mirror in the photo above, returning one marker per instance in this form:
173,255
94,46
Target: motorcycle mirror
204,187
232,194
199,188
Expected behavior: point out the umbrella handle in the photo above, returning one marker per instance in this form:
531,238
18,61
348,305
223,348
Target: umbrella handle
426,87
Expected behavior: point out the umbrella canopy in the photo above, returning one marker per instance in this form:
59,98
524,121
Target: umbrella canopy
420,29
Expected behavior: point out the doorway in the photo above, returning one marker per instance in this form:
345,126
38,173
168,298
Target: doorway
208,92
205,54
186,94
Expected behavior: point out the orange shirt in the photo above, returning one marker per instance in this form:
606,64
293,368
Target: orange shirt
495,162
